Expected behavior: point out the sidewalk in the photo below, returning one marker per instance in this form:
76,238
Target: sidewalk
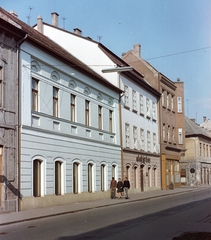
14,217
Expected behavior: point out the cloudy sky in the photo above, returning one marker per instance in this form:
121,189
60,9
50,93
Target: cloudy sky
175,35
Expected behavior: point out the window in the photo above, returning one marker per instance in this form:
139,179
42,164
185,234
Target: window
75,177
180,136
126,90
179,104
148,107
72,108
163,98
148,141
154,142
134,100
128,172
135,137
169,134
100,117
55,101
102,170
153,111
127,135
135,177
142,138
110,120
141,104
90,168
168,100
173,134
1,86
114,171
34,94
172,103
210,150
37,178
200,148
164,132
58,178
87,113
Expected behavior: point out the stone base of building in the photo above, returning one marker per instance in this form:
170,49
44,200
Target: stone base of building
27,203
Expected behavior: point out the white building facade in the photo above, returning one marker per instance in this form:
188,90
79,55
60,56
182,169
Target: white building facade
70,132
139,114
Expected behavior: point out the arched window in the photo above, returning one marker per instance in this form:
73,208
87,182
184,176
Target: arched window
113,172
58,178
90,177
135,176
127,174
37,178
75,177
102,171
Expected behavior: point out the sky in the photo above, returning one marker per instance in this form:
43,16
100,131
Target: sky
175,36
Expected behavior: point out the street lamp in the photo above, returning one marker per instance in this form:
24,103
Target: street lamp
117,69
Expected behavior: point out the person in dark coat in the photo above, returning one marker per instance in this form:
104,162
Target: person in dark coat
126,187
113,186
120,188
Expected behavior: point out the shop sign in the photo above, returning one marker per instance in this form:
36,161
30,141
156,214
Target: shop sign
142,159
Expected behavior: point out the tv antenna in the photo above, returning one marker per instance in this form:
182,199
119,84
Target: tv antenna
29,16
64,22
99,38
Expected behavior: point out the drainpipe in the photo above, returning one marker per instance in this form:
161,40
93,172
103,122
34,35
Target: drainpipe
19,119
120,127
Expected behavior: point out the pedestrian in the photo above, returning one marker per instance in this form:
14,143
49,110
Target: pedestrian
126,187
113,186
120,188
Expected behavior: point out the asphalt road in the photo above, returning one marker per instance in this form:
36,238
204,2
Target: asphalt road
156,219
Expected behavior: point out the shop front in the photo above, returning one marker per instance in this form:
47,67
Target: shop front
143,171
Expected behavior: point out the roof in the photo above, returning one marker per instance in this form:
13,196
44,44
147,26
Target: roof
49,45
133,75
192,129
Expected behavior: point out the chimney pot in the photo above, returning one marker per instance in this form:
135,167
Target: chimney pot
137,50
54,17
77,31
39,24
12,12
205,118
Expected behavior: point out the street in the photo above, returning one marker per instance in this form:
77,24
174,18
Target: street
159,218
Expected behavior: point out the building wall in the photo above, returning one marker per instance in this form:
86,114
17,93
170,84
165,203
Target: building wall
198,159
8,118
51,139
140,160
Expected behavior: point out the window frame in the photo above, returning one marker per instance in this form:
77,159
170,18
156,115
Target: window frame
55,102
35,93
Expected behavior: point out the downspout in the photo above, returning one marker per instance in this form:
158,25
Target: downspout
120,127
19,119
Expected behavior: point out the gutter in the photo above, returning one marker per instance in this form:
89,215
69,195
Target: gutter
19,120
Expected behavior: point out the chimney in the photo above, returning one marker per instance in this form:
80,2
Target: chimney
137,50
39,24
54,17
193,120
77,31
205,118
12,12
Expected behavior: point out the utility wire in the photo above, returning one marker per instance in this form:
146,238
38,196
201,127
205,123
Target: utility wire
173,54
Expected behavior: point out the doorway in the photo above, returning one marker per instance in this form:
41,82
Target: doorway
142,177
